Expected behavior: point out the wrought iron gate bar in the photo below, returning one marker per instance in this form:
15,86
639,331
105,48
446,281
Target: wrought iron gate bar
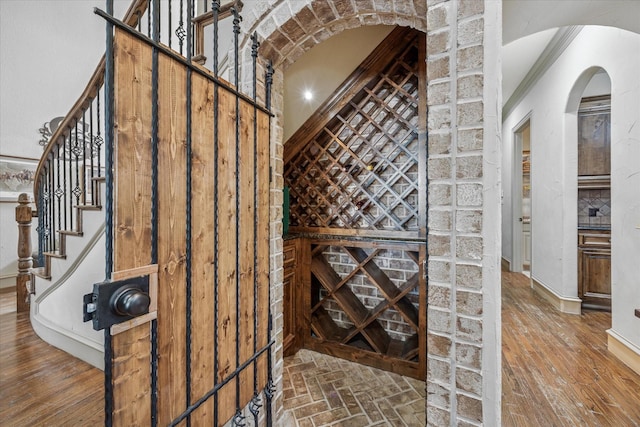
108,212
154,200
169,25
255,404
269,387
108,375
215,7
154,137
237,419
214,391
188,243
176,56
154,372
108,147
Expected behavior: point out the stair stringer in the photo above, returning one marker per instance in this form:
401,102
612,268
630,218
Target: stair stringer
56,312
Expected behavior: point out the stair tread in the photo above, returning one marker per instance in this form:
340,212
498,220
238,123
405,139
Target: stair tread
90,207
71,232
40,272
55,254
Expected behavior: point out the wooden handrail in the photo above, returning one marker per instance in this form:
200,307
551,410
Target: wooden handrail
135,11
89,93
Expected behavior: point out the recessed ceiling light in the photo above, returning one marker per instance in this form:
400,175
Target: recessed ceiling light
308,95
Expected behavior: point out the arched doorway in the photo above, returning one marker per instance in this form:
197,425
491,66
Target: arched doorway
453,336
592,115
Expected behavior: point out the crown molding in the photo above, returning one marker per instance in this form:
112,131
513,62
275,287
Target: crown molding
557,45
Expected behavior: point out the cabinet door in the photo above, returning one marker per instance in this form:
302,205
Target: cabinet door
289,297
595,277
594,139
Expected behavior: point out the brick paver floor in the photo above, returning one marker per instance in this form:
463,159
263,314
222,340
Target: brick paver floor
321,390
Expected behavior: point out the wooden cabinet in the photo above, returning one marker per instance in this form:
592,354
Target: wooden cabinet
293,285
594,136
594,269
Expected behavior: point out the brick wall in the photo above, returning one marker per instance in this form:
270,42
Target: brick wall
396,265
455,60
455,90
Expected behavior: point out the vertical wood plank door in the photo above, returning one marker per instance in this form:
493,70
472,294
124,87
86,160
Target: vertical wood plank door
191,205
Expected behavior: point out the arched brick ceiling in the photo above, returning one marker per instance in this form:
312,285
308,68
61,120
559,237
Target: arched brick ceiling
322,19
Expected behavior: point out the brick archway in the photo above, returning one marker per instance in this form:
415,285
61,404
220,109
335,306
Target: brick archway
312,22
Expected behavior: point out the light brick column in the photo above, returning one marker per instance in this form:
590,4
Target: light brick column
455,56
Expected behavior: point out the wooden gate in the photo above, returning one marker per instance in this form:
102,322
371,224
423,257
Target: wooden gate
190,213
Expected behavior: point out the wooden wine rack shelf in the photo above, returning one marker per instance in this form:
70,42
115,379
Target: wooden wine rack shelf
335,295
363,167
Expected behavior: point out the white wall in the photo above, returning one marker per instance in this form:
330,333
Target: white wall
491,218
554,168
48,51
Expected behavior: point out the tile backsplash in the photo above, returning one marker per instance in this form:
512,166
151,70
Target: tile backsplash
599,202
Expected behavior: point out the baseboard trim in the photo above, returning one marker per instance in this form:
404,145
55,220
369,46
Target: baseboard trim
505,264
567,305
75,345
628,353
8,281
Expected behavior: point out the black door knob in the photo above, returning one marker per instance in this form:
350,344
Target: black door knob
129,301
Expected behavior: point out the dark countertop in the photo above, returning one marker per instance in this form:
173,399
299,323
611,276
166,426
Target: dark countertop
316,236
591,227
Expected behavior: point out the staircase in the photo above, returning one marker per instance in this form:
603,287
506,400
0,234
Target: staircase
69,191
68,273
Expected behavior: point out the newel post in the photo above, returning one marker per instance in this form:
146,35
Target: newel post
24,214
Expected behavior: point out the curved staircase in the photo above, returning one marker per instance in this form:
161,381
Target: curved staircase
69,273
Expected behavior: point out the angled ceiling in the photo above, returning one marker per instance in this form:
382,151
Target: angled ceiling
521,18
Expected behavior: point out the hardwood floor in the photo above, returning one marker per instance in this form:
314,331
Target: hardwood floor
7,300
556,369
41,385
